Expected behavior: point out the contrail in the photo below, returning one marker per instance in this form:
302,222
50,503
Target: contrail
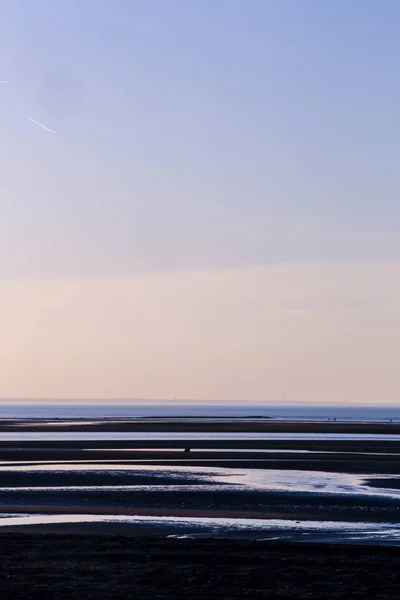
4,81
41,125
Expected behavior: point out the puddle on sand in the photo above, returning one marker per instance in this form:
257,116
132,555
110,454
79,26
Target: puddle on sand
213,478
192,527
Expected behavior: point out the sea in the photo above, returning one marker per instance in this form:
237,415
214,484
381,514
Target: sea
140,409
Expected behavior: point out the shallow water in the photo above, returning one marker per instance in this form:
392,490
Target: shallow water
173,435
212,478
194,527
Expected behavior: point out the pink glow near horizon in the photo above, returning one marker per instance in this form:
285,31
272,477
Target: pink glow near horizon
295,332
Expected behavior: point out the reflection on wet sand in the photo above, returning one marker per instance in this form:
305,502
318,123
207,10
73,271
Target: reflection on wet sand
210,477
257,484
192,527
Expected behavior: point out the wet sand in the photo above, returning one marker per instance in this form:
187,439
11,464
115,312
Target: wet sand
308,512
68,567
112,560
243,503
341,456
202,424
389,483
359,456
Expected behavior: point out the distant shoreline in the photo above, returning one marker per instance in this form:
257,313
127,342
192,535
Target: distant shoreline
200,424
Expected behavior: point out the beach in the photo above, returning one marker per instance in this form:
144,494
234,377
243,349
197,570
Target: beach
67,566
195,508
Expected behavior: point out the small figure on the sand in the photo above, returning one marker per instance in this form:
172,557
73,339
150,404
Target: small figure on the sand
187,449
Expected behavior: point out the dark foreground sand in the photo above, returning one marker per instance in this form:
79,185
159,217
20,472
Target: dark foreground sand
68,567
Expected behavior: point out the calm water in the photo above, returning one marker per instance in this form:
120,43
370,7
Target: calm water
19,410
187,435
192,527
214,480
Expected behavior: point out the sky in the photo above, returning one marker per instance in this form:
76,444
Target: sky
216,215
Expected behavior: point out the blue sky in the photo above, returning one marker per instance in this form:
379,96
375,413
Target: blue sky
198,134
217,215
